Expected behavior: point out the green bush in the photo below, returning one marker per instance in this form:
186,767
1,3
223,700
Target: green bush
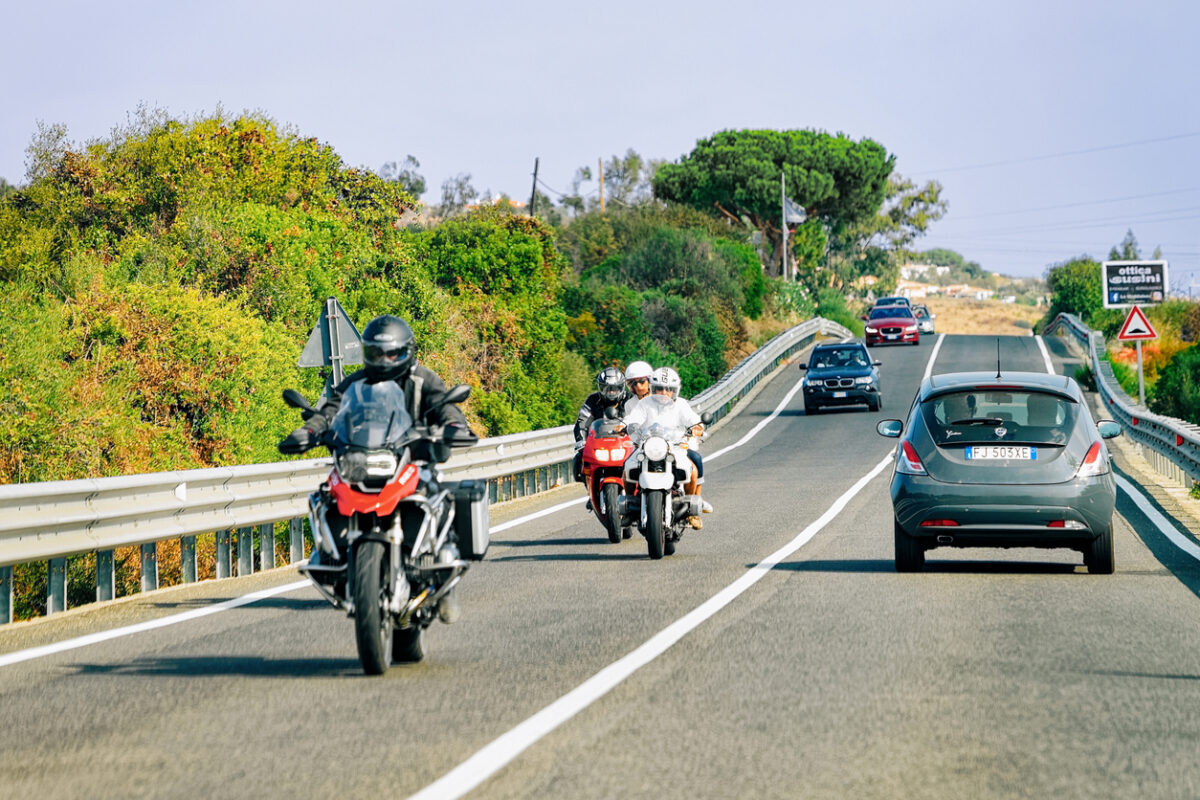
1177,392
831,304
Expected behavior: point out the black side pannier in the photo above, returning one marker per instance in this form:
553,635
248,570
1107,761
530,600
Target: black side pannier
471,518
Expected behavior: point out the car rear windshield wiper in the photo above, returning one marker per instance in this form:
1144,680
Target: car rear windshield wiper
992,421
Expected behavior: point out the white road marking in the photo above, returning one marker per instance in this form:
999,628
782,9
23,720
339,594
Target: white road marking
174,619
933,355
754,431
1045,354
500,752
1160,521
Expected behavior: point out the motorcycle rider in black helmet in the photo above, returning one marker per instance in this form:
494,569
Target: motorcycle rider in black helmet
389,355
610,391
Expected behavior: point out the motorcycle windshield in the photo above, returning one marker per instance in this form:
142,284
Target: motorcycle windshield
672,433
372,417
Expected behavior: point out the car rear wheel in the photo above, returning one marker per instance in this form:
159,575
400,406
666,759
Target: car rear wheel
910,555
1099,556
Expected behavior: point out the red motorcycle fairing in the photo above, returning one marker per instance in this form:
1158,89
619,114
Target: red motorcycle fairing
350,500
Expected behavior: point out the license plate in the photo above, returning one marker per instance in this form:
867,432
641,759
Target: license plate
839,394
893,335
995,451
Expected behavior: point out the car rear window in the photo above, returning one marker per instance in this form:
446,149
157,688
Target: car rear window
992,415
839,357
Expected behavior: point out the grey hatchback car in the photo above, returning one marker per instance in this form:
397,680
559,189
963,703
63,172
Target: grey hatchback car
1011,461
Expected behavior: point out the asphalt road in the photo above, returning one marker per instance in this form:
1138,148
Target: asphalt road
1007,673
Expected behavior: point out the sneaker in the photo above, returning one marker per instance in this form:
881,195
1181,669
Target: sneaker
695,522
706,506
449,609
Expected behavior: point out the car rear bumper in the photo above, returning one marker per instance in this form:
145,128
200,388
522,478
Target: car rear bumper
991,515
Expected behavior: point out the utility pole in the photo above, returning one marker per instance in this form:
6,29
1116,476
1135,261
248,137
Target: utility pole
600,166
783,268
533,194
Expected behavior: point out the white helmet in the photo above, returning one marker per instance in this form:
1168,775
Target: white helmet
665,378
637,370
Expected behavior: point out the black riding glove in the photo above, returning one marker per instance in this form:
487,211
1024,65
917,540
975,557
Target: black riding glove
299,441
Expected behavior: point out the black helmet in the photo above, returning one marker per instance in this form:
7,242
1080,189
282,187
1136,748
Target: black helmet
388,347
611,384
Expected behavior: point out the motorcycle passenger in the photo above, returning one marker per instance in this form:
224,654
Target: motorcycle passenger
637,382
610,392
665,406
389,354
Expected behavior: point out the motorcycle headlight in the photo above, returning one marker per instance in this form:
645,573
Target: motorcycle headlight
617,454
655,448
381,464
601,455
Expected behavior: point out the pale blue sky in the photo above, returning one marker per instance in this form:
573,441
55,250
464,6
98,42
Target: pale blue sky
483,88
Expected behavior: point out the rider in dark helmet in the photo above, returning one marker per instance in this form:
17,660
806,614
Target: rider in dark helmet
389,354
610,391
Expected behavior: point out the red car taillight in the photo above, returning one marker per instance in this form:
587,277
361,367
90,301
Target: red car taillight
1094,463
909,463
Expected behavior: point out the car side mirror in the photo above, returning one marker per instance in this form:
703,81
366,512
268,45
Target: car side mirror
891,428
876,363
804,366
863,317
1108,428
933,316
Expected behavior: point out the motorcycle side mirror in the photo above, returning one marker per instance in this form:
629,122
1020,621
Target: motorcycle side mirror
296,400
706,418
452,396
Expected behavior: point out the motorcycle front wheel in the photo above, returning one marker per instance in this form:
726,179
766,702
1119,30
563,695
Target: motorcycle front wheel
611,494
372,623
654,523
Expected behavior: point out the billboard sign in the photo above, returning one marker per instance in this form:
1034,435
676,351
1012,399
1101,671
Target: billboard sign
1127,283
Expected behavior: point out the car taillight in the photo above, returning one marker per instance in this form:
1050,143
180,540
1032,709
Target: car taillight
909,463
939,523
1094,463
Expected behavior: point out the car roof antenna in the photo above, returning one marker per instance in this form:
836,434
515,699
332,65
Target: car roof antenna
997,358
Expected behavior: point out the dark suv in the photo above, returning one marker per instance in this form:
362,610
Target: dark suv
841,374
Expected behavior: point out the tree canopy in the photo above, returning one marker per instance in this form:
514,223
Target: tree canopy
737,174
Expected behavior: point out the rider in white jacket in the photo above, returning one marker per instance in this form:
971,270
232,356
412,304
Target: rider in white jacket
664,406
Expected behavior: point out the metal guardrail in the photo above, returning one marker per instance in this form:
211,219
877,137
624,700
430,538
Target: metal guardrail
1172,439
53,520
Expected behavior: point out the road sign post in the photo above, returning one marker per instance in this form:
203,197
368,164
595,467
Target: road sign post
1137,328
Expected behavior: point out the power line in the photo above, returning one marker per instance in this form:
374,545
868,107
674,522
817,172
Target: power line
1062,154
1071,205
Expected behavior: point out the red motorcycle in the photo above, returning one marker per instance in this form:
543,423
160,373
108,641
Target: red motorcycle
391,538
604,454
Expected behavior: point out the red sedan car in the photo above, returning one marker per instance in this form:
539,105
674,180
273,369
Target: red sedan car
891,325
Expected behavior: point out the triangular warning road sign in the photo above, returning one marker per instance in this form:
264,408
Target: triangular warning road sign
334,334
1136,327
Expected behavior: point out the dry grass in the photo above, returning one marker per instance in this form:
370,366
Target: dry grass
982,317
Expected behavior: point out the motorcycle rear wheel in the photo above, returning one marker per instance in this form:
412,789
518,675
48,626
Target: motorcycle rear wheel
611,493
372,623
654,523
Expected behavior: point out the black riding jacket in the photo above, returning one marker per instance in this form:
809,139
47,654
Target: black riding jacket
421,388
593,408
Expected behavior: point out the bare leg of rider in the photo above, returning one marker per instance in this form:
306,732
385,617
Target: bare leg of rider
693,487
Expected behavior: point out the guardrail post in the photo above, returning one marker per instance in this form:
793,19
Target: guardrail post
106,576
224,557
6,595
56,586
149,567
187,559
245,538
266,539
296,528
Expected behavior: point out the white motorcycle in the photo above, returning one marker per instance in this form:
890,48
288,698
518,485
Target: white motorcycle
660,469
